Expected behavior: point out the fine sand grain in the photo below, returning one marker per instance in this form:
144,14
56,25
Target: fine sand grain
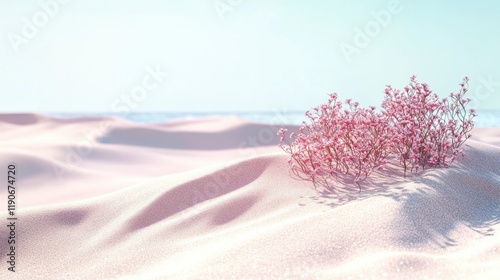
214,199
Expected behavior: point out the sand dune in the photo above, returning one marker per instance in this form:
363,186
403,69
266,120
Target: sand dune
162,201
487,135
211,134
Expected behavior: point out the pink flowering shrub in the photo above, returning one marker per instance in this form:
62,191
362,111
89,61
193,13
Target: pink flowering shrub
338,141
415,129
426,131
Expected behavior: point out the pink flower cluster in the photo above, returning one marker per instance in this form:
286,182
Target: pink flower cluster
415,129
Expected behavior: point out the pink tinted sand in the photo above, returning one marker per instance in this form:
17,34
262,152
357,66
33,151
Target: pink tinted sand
213,198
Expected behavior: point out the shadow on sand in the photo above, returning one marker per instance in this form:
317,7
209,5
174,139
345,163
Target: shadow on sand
433,203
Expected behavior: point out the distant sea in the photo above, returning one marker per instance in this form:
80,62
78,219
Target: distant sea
484,118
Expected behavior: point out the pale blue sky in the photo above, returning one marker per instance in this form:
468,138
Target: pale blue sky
240,55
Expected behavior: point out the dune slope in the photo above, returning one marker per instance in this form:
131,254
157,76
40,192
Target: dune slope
245,217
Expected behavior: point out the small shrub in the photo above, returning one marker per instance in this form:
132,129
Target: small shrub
415,129
426,131
349,141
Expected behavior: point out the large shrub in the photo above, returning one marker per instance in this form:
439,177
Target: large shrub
415,129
